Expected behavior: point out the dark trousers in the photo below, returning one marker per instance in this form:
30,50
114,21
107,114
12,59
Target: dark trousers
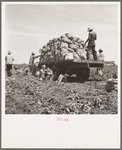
8,69
31,67
92,47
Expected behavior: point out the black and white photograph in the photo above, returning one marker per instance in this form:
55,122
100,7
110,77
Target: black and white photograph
61,60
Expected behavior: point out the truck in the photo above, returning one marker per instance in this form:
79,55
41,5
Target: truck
80,69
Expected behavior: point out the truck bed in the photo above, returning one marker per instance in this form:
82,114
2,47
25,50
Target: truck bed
95,63
83,63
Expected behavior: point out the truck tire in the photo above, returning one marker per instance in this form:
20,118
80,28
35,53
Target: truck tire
56,72
84,74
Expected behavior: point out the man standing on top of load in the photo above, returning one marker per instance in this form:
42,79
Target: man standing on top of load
91,42
9,62
31,62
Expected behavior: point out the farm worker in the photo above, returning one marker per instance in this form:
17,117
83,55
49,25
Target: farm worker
35,67
49,73
43,72
31,62
100,57
91,42
9,62
15,67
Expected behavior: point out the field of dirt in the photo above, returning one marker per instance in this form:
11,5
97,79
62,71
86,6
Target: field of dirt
26,94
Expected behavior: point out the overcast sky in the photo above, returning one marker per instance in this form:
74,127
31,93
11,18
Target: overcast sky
30,26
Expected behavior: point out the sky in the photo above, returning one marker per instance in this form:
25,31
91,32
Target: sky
28,27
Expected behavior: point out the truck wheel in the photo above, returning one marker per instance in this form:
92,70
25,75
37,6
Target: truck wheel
56,72
84,74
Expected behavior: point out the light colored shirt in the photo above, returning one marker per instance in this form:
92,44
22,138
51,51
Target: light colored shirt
101,56
9,59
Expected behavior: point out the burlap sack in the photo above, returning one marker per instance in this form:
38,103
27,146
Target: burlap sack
80,41
73,46
109,88
81,53
64,51
70,50
70,36
50,42
49,53
69,56
76,58
64,45
48,48
66,40
63,36
75,39
60,57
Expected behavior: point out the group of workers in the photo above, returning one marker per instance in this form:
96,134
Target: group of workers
92,37
45,73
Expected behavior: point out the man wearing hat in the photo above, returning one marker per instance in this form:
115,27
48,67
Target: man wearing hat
91,42
9,62
31,62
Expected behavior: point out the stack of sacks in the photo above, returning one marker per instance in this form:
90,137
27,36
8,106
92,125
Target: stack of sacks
67,47
111,85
